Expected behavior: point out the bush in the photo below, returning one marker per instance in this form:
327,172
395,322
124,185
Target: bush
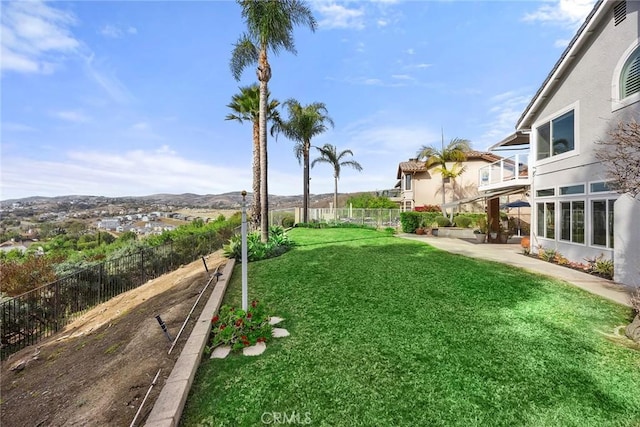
410,221
238,329
462,221
442,221
278,244
288,221
428,208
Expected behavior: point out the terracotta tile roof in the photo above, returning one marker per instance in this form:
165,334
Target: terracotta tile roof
414,165
484,155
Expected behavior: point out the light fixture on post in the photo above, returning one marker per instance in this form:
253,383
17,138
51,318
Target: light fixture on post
243,231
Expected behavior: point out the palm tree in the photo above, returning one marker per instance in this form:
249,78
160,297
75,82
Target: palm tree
456,152
304,123
245,106
329,154
270,26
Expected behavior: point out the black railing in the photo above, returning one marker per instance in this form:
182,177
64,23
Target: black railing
28,318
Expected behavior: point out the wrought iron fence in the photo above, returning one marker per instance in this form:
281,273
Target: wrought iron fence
28,318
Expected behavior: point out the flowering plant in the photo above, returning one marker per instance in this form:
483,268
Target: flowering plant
239,328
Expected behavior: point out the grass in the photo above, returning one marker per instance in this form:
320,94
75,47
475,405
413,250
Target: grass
391,332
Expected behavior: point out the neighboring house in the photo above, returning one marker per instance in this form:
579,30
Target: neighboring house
109,223
594,85
420,187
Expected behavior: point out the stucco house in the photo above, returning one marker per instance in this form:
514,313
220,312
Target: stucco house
593,86
420,186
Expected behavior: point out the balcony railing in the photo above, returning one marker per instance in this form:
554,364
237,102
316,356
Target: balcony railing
508,172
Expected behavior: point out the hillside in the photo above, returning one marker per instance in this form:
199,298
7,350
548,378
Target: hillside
231,200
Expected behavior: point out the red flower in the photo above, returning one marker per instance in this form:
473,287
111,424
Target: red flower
248,315
215,319
261,339
244,338
239,322
254,303
223,326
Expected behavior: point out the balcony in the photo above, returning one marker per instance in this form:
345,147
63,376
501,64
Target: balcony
395,194
505,173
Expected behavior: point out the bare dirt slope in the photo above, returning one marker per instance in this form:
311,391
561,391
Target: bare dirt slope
97,371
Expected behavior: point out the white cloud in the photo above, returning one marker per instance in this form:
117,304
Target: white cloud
111,31
561,43
563,12
382,22
410,51
338,16
71,116
141,126
107,81
16,127
402,77
35,36
136,172
504,111
114,32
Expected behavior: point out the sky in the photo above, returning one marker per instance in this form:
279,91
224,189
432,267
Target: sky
129,98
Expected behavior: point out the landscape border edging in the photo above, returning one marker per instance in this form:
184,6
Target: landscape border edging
167,409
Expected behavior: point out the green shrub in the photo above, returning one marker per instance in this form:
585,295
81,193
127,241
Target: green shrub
288,221
278,244
442,221
462,221
410,221
238,329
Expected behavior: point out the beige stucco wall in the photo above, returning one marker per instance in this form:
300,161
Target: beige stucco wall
427,186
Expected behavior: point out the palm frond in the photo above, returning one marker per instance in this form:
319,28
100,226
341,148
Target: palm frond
244,53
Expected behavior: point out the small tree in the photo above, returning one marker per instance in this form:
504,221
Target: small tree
329,154
620,154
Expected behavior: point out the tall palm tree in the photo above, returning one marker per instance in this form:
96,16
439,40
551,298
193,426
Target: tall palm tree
270,26
245,106
329,154
304,123
455,152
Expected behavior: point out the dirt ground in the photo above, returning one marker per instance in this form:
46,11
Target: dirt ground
97,371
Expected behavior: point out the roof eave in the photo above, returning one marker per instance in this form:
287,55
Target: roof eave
575,45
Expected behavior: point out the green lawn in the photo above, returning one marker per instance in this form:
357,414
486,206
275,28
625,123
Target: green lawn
391,332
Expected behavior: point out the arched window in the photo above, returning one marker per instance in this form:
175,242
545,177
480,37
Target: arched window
630,76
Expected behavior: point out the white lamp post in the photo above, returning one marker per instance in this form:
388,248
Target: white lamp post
243,231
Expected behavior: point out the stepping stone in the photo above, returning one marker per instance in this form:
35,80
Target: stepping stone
220,352
275,320
254,350
279,333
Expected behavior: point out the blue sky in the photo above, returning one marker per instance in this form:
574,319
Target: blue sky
126,98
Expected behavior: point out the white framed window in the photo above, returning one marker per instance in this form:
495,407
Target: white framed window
556,136
407,181
602,222
630,76
600,187
572,190
546,192
546,219
625,86
572,221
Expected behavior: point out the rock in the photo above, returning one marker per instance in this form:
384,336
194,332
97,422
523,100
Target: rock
254,350
220,352
19,366
279,333
275,320
633,329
